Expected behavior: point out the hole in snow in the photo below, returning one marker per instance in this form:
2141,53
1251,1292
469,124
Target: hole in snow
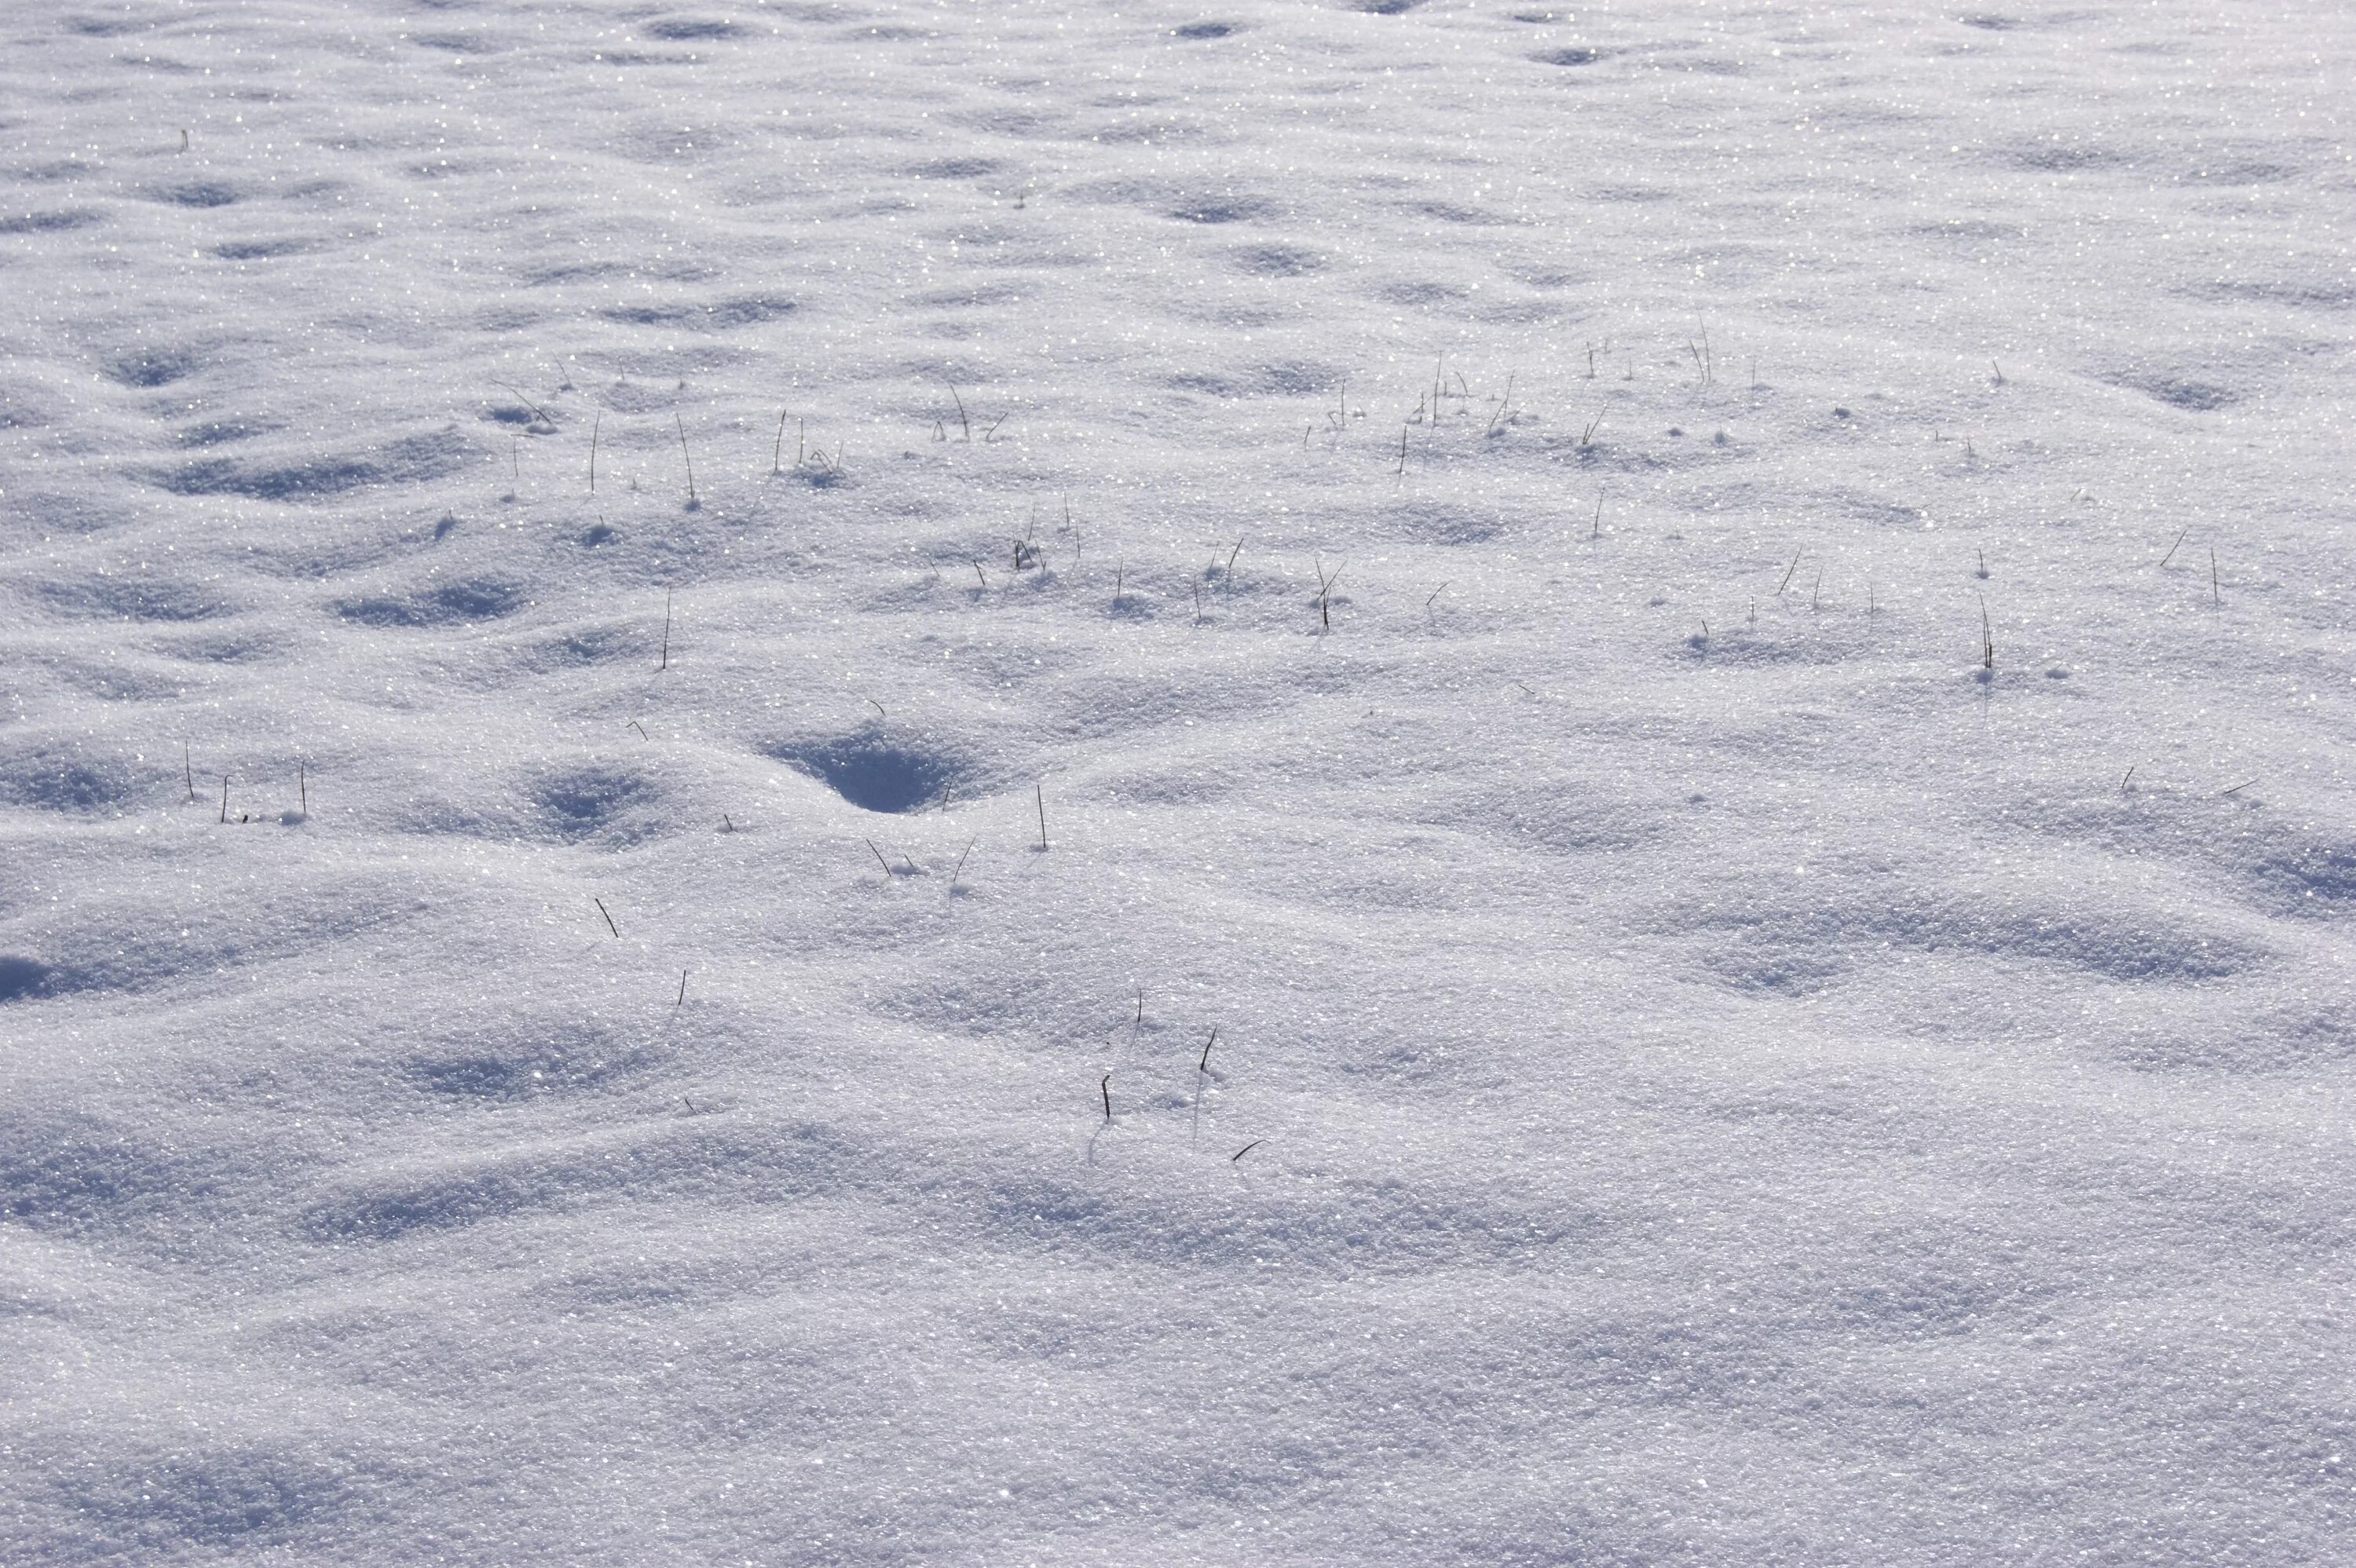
875,773
21,977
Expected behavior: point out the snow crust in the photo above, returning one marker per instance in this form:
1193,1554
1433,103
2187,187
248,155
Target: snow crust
1773,881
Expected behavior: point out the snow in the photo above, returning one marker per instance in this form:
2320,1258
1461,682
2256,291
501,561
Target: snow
1707,1070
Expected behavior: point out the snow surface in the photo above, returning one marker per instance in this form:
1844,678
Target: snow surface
1727,1076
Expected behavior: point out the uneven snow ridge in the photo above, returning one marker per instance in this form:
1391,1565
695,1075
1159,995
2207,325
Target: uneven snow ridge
661,669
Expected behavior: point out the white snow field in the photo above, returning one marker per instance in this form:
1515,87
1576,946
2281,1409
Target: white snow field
1717,1061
